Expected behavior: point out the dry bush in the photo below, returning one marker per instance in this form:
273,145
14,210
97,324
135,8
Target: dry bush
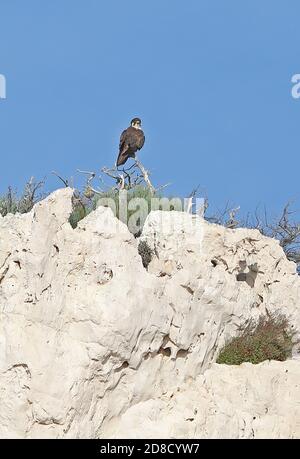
284,228
11,203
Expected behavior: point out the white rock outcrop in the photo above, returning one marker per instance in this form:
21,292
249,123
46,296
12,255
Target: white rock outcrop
247,401
94,345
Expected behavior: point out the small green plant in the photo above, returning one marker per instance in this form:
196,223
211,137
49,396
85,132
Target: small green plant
145,252
269,339
83,204
80,210
137,192
111,198
78,213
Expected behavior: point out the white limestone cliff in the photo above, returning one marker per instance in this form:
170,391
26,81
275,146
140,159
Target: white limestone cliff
94,345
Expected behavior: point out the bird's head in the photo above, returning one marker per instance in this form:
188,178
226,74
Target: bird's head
136,123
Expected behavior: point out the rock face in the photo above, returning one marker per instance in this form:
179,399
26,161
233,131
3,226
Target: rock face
93,345
247,401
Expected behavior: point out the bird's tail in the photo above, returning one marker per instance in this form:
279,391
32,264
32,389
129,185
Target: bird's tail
120,161
122,158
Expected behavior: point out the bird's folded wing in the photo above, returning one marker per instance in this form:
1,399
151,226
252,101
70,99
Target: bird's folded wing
122,139
141,140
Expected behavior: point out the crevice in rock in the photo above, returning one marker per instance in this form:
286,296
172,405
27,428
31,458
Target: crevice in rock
45,289
122,367
250,276
163,274
182,353
5,260
106,274
188,289
166,352
218,260
3,274
24,366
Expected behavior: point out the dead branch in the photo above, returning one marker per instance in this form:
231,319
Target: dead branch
110,173
287,232
232,222
189,203
202,210
91,175
145,174
30,196
135,175
65,181
161,187
90,191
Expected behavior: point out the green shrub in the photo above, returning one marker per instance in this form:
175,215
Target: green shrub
138,191
80,209
85,202
78,213
83,205
269,339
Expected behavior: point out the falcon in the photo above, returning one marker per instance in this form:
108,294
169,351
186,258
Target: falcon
131,140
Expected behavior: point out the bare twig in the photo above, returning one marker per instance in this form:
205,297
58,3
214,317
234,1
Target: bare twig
65,181
130,178
161,187
232,222
91,175
189,203
145,174
90,191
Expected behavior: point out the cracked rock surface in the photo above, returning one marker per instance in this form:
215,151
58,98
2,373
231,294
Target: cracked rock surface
94,345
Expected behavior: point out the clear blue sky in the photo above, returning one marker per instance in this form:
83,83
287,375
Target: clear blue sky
211,80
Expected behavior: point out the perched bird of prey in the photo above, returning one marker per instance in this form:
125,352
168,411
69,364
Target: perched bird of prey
131,140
